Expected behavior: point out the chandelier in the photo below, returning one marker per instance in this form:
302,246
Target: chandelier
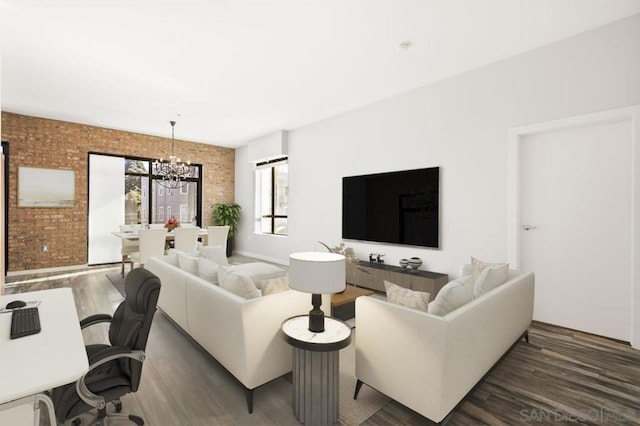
172,172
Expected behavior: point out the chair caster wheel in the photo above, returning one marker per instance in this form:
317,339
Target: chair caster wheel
118,406
137,420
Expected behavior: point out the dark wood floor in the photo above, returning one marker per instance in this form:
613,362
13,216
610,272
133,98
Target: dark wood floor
561,377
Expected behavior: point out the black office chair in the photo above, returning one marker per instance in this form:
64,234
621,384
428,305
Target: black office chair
114,370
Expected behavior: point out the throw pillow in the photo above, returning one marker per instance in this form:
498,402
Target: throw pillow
188,263
208,270
477,266
490,278
274,285
216,253
172,257
258,271
453,295
405,297
241,285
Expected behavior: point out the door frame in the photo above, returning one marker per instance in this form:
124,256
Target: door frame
515,138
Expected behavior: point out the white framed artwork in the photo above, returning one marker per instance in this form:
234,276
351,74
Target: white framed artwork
45,187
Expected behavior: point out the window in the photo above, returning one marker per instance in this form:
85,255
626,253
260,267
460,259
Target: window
184,213
272,192
146,201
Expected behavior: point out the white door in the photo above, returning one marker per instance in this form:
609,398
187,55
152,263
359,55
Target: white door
106,208
575,198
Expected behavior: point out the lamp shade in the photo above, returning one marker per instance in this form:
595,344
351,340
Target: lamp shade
317,272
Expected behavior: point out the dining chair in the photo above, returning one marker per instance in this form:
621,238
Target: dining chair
128,246
152,243
186,239
217,235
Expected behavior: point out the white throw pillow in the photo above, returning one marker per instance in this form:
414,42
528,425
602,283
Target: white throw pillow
477,266
274,285
490,278
453,295
405,297
241,285
208,270
258,271
173,257
188,263
216,253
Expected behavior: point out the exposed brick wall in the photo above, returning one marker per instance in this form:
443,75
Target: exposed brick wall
52,144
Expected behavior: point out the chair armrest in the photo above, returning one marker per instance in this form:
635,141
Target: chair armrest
108,355
95,319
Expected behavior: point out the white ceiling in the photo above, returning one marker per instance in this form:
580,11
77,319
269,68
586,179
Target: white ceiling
238,69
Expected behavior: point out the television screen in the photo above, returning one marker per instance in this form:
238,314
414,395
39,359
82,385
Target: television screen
397,207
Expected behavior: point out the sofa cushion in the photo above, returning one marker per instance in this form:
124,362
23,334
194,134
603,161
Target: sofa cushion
188,263
405,297
242,285
258,271
218,254
172,257
477,266
453,295
274,285
490,278
208,270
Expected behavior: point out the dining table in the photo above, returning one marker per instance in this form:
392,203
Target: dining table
133,235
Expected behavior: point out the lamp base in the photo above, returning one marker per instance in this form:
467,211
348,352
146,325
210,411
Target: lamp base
316,316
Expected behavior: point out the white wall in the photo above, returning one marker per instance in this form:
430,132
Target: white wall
459,124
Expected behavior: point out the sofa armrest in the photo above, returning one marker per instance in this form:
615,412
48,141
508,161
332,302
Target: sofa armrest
401,353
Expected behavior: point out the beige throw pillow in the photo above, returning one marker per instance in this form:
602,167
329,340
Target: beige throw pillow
490,278
477,266
241,285
453,295
274,285
208,270
403,296
258,271
188,263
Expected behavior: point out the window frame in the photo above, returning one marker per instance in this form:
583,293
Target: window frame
271,164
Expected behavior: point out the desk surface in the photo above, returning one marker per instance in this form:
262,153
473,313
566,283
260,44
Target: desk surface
53,357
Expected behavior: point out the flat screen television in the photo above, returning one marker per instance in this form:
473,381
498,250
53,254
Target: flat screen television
397,207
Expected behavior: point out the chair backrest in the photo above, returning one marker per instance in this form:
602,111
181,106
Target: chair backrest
132,319
152,243
186,239
156,225
217,235
129,246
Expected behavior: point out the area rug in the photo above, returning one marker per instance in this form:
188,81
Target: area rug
117,281
369,402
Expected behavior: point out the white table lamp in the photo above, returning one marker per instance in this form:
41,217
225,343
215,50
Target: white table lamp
317,273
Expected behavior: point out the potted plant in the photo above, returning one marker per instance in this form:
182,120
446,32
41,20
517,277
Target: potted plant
226,214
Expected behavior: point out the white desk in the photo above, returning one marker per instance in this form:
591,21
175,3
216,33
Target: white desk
33,364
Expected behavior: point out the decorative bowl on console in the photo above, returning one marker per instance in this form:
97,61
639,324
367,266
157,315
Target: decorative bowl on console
415,262
404,263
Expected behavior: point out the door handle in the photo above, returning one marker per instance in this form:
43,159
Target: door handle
528,227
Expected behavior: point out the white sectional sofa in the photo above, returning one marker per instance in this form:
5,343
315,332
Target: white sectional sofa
241,334
429,363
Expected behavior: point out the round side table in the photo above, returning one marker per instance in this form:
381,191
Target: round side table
316,362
